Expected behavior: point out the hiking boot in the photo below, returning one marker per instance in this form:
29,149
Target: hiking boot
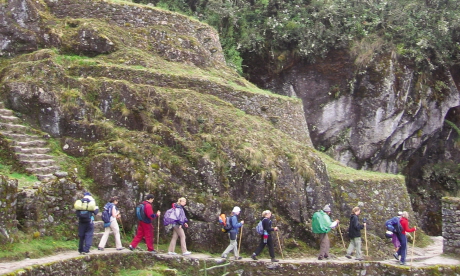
348,256
402,263
131,247
326,256
274,260
100,248
121,248
238,258
396,256
224,256
172,253
320,257
359,259
187,253
153,252
253,256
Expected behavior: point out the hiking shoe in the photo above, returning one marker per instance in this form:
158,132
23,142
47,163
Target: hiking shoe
187,253
274,260
253,256
224,256
396,256
172,253
131,247
359,259
320,257
100,248
153,252
402,263
238,258
348,256
121,248
326,256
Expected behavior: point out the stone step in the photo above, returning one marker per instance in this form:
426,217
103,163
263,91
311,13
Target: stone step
31,144
43,177
24,156
18,149
8,119
6,112
38,163
13,127
19,137
43,170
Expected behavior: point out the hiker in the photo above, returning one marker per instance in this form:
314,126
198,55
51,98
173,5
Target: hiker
395,241
266,237
354,232
179,221
322,224
402,236
233,233
115,214
86,226
145,227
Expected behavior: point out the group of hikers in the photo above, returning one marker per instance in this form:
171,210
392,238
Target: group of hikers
177,220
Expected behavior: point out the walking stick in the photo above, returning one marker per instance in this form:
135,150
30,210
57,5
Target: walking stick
365,237
239,245
341,236
281,250
158,231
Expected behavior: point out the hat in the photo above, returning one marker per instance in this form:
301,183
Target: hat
87,194
236,209
327,208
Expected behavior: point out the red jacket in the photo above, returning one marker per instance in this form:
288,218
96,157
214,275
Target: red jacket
148,210
405,226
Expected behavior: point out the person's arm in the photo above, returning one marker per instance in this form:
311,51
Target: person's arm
235,222
405,226
267,226
149,211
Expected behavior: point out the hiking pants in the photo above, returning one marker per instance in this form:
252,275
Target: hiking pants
116,232
403,249
232,246
324,245
271,250
85,233
355,243
178,232
144,230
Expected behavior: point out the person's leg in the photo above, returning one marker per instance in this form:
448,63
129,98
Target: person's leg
323,245
260,247
81,235
89,237
351,248
230,247
271,249
327,245
148,234
172,244
183,244
358,243
139,235
403,248
116,233
104,237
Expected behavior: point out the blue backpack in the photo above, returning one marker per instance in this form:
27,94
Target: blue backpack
394,225
260,228
107,214
140,212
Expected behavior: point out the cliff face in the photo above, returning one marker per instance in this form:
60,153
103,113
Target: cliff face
141,101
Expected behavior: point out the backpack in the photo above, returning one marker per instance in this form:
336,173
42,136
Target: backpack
140,212
107,214
84,216
170,217
394,225
260,228
84,204
226,223
321,223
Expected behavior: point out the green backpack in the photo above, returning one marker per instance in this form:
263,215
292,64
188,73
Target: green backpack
321,222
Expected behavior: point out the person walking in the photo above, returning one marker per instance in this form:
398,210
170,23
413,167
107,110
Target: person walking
86,226
402,236
322,224
233,233
354,232
395,240
266,238
179,221
145,227
115,214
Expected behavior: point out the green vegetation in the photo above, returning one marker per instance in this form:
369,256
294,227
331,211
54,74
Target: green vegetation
279,30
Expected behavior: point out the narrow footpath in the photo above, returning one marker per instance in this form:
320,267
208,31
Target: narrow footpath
428,256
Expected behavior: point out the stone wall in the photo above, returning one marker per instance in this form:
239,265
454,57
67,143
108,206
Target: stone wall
451,224
8,200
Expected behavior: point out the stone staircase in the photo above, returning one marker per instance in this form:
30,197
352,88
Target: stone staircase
30,149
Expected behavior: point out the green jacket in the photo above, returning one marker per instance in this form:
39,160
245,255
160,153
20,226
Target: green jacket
321,222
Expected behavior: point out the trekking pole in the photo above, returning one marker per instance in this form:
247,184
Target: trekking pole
158,231
239,245
281,250
365,238
413,245
341,236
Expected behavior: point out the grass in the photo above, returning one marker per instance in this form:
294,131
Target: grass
24,180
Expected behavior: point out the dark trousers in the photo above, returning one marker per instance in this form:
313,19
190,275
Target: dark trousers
402,251
85,232
271,250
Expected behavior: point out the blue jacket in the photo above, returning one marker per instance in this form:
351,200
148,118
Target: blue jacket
235,224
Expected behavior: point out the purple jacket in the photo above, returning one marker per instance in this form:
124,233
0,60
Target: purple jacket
175,215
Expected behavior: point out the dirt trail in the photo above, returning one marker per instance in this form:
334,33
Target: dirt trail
430,255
